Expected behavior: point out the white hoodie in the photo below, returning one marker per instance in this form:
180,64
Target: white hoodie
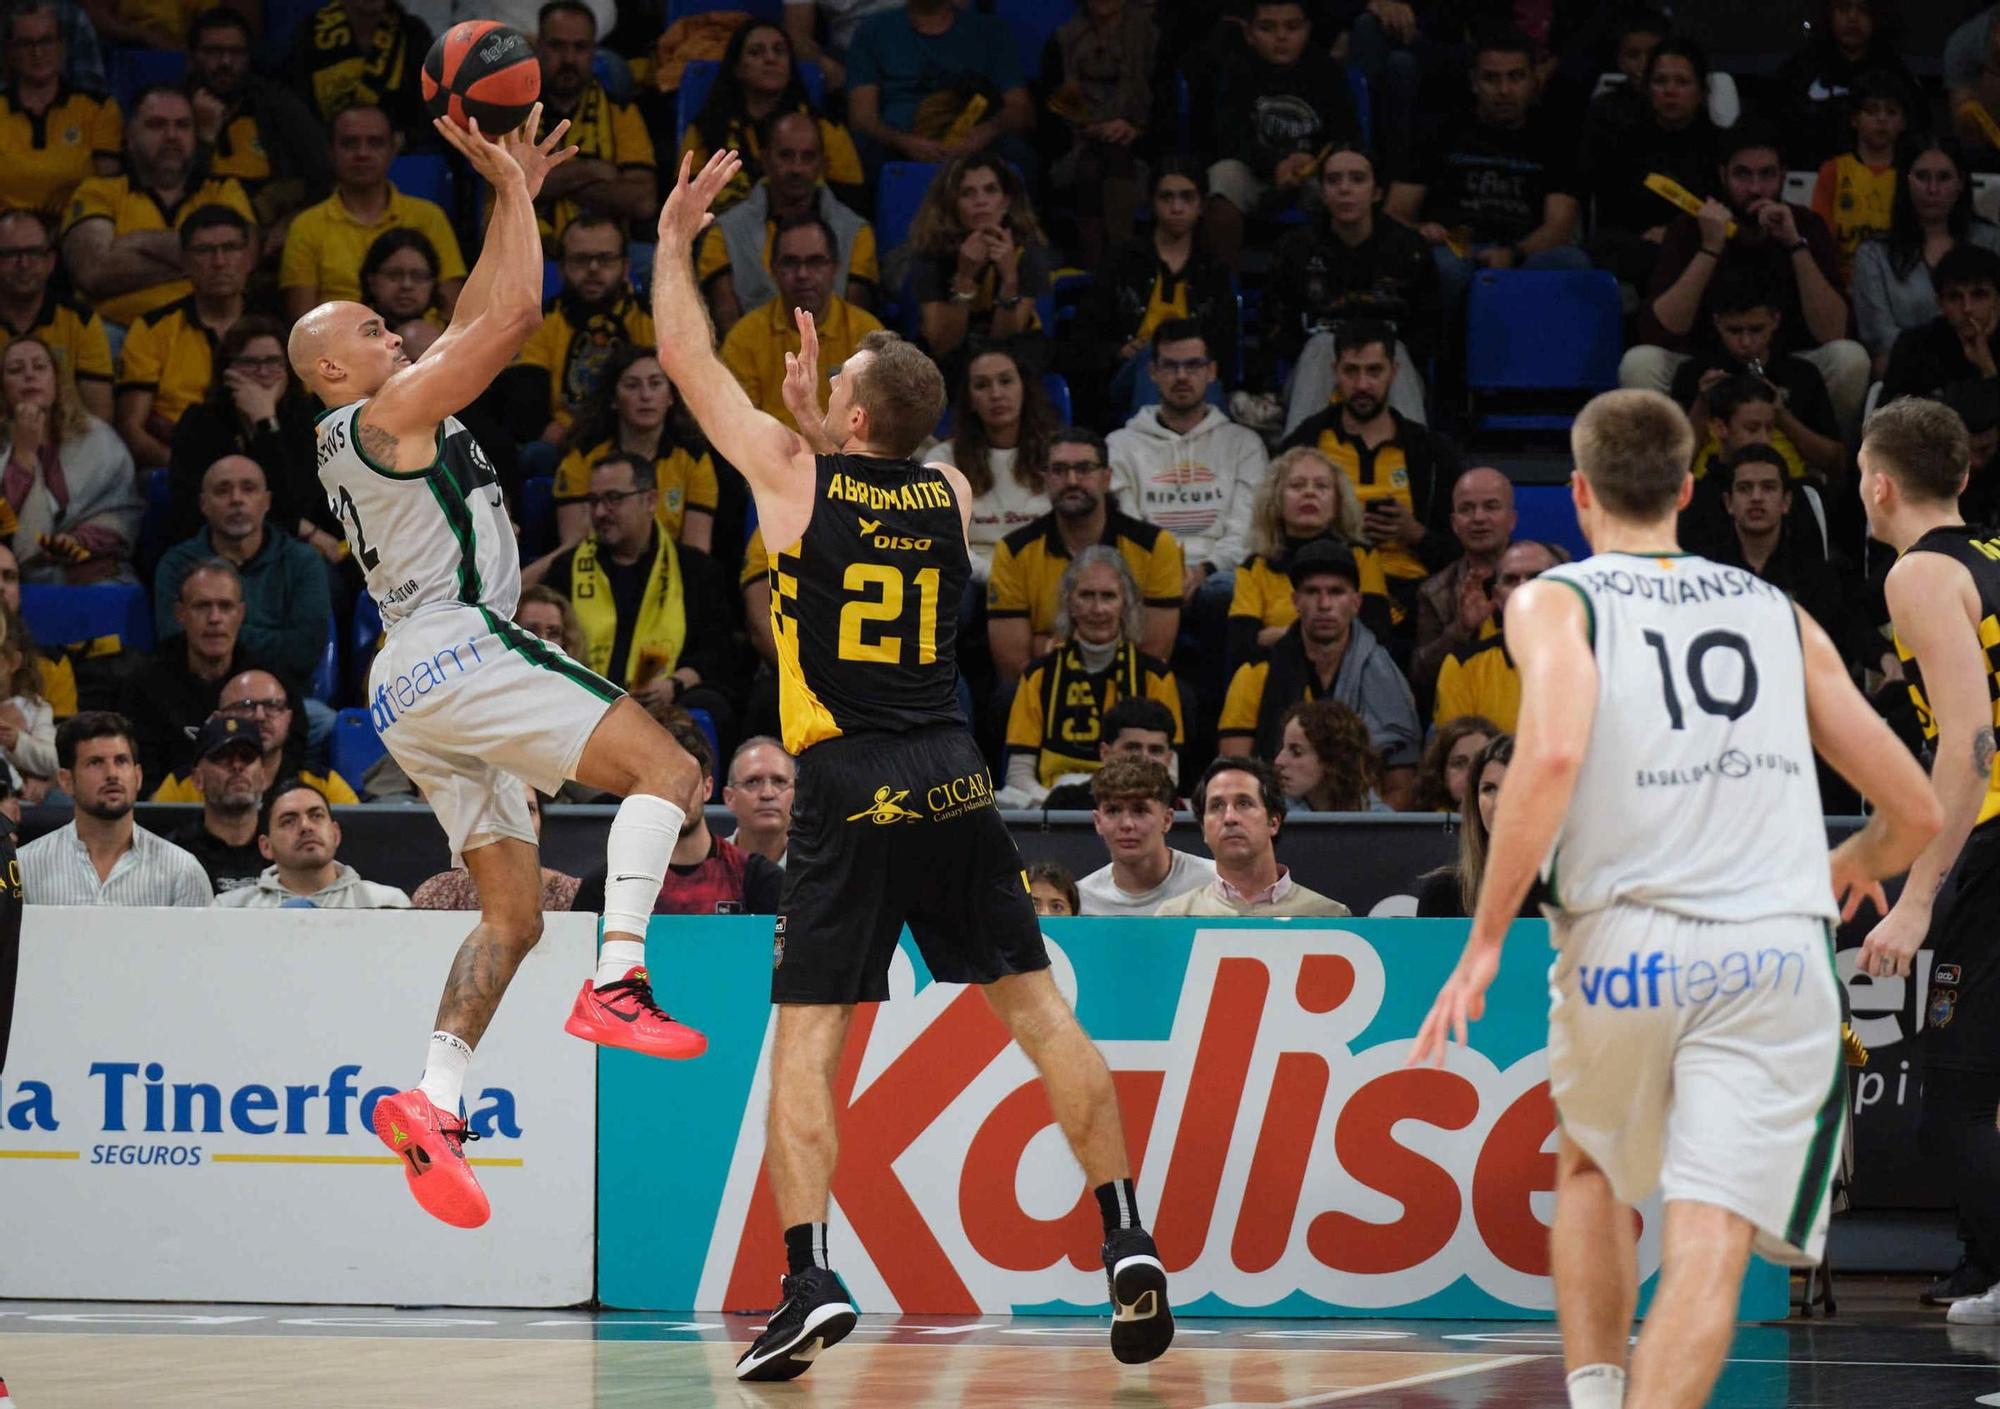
347,892
1199,487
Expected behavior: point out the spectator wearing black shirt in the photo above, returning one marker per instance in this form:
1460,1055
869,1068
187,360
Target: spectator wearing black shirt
230,769
1500,192
1978,405
980,259
168,698
1666,129
1963,341
1812,89
1757,497
1097,70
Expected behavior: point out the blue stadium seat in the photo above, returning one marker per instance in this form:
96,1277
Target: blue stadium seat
1364,111
367,635
706,724
698,77
1033,21
424,174
355,745
131,70
282,22
639,268
326,676
154,488
898,192
1543,512
772,10
538,517
62,616
551,278
1056,385
1540,381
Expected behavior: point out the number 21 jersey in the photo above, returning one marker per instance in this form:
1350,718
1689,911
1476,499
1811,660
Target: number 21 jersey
1698,793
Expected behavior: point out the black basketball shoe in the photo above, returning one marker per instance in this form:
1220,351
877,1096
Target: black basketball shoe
1142,1324
815,1314
1968,1279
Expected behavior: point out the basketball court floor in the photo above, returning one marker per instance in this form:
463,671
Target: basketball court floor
1881,1352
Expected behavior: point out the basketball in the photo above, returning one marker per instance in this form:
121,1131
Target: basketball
482,69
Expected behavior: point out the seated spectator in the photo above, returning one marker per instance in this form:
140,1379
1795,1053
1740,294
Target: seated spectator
253,128
1160,274
1854,190
229,768
1500,191
399,277
1325,762
979,259
118,241
454,890
364,53
1747,341
827,45
1665,131
1349,265
733,261
1186,467
1302,500
1783,249
1757,497
254,409
298,836
758,792
1001,422
548,616
1326,653
1052,890
102,856
635,413
934,82
1481,677
1138,726
613,173
757,84
1959,344
1134,811
27,720
596,313
1097,69
69,504
1443,773
55,667
1023,591
1848,40
53,136
170,697
1241,806
168,361
280,716
1402,472
1977,404
655,617
31,307
1452,892
1620,98
1455,604
284,582
1931,216
1056,723
328,241
804,255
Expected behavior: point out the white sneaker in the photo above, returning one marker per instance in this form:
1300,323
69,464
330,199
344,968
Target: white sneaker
1981,1310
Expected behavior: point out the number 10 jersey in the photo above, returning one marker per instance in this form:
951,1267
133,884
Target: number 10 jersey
864,606
1698,793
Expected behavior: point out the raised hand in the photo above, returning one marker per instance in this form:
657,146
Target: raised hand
516,154
802,376
686,212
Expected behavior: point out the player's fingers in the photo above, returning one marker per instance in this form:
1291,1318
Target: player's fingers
1457,1023
532,125
1880,896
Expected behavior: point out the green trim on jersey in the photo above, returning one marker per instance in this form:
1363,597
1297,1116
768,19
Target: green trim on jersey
1816,1179
458,519
1623,553
537,652
437,453
1589,609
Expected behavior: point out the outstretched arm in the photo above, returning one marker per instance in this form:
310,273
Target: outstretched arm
802,387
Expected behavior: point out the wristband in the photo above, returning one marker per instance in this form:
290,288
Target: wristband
1802,243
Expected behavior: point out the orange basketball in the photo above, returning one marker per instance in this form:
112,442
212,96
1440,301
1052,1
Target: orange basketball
482,69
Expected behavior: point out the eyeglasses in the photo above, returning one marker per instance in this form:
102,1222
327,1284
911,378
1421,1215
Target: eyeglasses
405,276
594,261
37,46
277,705
764,782
273,363
218,251
12,253
612,498
224,51
800,264
1172,366
1072,469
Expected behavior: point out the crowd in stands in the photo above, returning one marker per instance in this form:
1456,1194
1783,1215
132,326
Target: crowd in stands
1207,283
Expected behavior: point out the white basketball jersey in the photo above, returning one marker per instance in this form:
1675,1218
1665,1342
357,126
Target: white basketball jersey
425,538
1698,793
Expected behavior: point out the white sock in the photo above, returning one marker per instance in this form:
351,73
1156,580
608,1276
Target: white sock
445,1061
643,833
1597,1387
617,958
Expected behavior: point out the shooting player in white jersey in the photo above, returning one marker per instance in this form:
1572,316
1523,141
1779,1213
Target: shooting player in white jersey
1664,787
467,702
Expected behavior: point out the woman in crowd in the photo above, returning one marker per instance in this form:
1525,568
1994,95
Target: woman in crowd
69,502
1054,727
758,78
1052,888
1672,136
27,721
979,257
1303,498
1447,762
636,413
1325,759
1453,891
1001,422
1932,214
399,277
548,616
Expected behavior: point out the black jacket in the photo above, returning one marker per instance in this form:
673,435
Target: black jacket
1116,304
1926,360
1321,281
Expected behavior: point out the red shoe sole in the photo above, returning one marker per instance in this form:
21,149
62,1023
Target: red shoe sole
462,1204
677,1046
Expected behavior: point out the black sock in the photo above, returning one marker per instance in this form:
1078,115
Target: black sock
1118,1205
805,1246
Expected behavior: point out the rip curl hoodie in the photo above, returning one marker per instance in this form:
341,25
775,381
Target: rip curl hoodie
1199,487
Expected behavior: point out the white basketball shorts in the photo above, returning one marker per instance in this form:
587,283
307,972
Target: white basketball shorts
1703,1058
473,706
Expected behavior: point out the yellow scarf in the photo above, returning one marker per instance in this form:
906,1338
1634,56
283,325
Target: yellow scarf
661,630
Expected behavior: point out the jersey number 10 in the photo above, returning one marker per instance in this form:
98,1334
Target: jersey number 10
878,592
1697,676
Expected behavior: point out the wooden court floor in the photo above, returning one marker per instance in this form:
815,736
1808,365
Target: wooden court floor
1881,1353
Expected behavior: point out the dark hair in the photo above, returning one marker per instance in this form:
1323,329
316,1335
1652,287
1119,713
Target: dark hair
1639,19
153,90
1433,792
1181,330
1359,148
1885,45
285,787
935,232
211,217
1136,712
1906,236
88,725
1356,333
1924,445
726,104
597,422
1126,778
17,11
1879,85
1680,46
1750,133
1082,435
1733,393
1272,791
1473,838
591,218
390,243
215,18
1057,875
902,391
690,736
811,220
1179,164
1634,448
1501,39
561,7
1339,740
969,447
644,475
1966,263
1729,464
1738,288
241,334
350,108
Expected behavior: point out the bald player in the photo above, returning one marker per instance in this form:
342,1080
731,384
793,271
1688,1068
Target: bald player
468,703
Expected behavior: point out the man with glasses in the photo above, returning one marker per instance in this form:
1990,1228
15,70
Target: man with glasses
805,255
263,699
595,314
758,793
252,128
52,136
328,241
170,697
168,359
1480,677
29,307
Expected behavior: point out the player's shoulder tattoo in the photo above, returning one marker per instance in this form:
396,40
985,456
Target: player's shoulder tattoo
375,442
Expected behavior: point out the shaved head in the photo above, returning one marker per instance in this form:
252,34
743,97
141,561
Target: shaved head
343,352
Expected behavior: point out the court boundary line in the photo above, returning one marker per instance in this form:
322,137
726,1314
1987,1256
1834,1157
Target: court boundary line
1340,1396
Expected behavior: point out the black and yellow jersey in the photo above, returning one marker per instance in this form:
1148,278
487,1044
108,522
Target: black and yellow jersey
577,341
47,157
1059,708
74,333
1480,678
1262,596
1413,467
171,353
602,129
1028,565
864,606
1963,543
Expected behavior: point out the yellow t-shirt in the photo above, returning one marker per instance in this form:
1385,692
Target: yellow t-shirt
169,17
1711,451
1854,199
712,255
240,152
131,211
1264,590
326,244
74,334
602,131
686,481
1028,565
841,159
174,788
171,353
755,349
573,346
1480,679
44,159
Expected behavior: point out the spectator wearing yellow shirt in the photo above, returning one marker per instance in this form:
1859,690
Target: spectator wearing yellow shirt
613,169
593,316
119,242
52,137
262,696
1856,191
366,52
804,254
168,359
733,261
1480,677
249,127
328,241
635,413
30,307
757,84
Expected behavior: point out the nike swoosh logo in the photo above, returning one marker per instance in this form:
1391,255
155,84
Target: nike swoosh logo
622,1017
616,879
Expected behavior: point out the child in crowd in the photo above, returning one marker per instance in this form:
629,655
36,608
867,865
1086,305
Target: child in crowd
1856,190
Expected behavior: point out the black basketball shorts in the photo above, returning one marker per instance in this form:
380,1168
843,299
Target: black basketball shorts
1962,1021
